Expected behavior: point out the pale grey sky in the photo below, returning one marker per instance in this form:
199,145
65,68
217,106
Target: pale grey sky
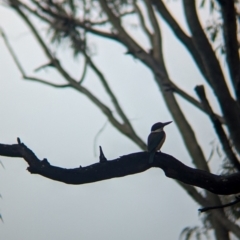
60,125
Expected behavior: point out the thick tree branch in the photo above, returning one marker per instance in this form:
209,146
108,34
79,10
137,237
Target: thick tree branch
127,165
161,76
231,42
123,166
157,65
214,72
132,164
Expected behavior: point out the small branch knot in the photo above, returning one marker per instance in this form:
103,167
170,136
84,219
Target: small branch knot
45,162
102,158
19,141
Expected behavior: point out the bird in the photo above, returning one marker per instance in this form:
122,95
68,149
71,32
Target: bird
156,139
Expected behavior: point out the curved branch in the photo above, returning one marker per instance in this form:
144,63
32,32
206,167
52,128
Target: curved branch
132,164
123,166
34,79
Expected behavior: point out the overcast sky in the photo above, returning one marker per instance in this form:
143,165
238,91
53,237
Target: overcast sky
61,125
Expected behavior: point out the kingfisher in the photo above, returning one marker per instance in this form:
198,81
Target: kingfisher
156,139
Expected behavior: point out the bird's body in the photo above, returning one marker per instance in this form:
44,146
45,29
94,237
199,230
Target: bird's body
156,139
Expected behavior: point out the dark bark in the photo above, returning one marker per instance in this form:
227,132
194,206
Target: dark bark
123,166
231,42
213,68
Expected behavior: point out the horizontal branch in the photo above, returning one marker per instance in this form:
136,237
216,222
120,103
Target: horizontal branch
237,200
123,166
35,79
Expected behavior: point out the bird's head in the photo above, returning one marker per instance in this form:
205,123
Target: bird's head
159,125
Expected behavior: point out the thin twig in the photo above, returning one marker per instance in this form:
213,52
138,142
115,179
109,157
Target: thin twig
103,22
220,206
108,90
96,137
19,66
46,82
49,64
143,23
84,71
17,62
3,168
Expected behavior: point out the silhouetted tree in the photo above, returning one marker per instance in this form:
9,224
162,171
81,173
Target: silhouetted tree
74,21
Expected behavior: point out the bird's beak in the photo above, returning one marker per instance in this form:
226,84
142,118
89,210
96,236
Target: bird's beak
166,123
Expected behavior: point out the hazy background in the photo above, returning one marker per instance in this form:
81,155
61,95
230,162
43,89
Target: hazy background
61,125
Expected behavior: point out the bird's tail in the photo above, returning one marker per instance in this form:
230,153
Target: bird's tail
151,158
